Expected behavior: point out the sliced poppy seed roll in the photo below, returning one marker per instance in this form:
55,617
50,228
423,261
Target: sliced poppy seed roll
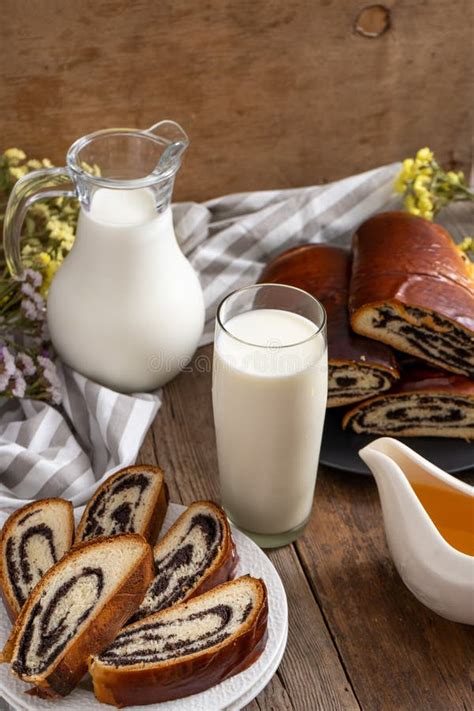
76,610
424,403
412,289
32,540
133,500
196,554
185,649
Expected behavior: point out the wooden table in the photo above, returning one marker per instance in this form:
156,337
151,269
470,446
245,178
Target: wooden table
358,639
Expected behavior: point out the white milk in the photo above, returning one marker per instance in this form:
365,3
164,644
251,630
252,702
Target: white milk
126,307
269,406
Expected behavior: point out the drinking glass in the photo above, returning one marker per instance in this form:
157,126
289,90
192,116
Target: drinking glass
269,395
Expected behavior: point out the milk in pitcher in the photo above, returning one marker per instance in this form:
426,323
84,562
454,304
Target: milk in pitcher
128,291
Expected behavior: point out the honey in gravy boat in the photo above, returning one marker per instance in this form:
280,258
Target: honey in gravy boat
429,523
452,512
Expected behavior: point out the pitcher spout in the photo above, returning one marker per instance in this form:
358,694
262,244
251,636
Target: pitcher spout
175,138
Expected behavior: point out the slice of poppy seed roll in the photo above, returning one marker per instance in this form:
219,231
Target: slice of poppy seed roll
76,610
133,500
195,555
185,649
413,289
32,540
424,403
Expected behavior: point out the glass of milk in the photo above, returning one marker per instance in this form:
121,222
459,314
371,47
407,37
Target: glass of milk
269,395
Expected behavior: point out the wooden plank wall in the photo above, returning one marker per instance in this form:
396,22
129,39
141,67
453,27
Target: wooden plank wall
274,93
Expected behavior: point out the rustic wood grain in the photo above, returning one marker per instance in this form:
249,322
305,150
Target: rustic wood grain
398,654
309,671
273,94
182,442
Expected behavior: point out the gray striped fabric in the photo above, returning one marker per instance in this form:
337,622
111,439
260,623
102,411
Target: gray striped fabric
45,452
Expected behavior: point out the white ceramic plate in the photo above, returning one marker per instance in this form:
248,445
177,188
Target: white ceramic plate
231,694
254,691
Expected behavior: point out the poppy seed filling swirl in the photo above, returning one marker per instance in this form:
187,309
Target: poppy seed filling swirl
394,415
442,344
55,618
119,508
25,570
179,568
181,632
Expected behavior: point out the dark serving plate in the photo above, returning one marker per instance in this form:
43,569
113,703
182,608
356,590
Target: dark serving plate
340,448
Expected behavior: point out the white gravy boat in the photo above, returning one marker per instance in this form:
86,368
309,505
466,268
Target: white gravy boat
439,574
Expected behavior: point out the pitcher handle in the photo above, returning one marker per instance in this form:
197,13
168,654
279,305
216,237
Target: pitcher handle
38,185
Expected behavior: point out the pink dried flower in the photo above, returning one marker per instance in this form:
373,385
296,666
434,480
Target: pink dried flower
28,289
25,364
7,368
30,310
35,278
7,359
32,305
51,376
19,387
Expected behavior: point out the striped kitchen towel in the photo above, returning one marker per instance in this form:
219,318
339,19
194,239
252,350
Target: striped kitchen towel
48,452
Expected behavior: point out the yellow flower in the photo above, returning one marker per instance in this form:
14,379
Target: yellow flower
454,178
425,206
44,258
399,185
39,209
92,169
467,244
27,249
419,186
406,175
48,275
425,202
34,164
18,172
425,170
67,242
59,230
14,155
424,155
410,205
46,163
408,167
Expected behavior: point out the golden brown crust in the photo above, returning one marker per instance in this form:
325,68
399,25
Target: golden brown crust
179,678
12,605
324,272
408,261
155,522
66,672
158,510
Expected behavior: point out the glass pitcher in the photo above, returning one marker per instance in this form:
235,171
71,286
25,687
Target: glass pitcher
125,308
